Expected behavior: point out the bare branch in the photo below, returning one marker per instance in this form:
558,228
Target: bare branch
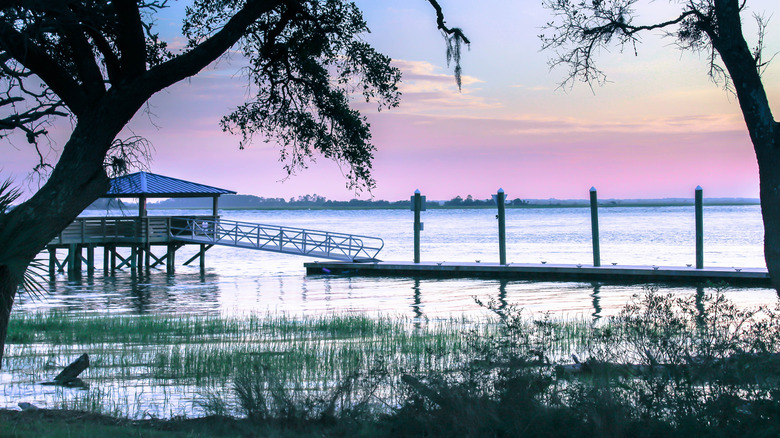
582,29
134,152
762,21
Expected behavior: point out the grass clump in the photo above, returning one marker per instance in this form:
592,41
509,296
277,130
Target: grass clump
665,366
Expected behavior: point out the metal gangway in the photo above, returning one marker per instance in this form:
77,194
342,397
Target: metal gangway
274,238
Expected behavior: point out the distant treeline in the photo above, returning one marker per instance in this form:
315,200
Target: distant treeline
471,202
317,201
250,201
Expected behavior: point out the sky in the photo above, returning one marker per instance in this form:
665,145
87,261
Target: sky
657,129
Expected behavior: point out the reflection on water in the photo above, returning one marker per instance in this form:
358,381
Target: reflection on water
298,294
502,294
596,301
417,304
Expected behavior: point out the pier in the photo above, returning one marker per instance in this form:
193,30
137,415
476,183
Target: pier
753,277
145,242
698,274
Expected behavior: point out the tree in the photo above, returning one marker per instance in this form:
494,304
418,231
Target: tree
98,62
582,28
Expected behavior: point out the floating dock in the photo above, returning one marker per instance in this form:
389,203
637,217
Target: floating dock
753,277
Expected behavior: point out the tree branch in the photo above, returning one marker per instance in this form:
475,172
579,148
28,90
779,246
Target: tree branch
113,66
190,63
130,38
89,72
454,38
455,31
35,59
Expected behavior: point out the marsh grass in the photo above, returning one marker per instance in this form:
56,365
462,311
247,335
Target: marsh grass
155,364
665,365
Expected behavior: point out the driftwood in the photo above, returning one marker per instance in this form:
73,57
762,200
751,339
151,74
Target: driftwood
70,375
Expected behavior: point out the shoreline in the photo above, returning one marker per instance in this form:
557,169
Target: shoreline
432,206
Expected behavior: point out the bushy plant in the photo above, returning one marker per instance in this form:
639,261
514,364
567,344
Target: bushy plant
665,365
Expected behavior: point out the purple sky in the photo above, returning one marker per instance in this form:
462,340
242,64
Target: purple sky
659,129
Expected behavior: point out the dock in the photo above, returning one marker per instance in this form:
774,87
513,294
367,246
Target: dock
750,277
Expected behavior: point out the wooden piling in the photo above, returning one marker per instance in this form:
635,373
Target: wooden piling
501,216
112,249
74,260
147,256
417,206
52,261
170,261
699,229
90,260
594,225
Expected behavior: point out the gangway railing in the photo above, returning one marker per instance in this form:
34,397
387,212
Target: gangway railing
275,238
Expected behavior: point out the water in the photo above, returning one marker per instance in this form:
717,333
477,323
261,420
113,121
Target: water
240,280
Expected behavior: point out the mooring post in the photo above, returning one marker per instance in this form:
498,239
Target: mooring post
418,205
148,256
72,248
171,259
501,216
594,225
112,249
699,229
52,261
90,260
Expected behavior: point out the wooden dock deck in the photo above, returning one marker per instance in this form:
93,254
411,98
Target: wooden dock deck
753,277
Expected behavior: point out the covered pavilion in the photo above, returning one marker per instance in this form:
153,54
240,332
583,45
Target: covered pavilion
145,185
136,233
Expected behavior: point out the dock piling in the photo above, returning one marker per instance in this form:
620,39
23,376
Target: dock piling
699,229
501,216
594,225
90,260
418,205
52,261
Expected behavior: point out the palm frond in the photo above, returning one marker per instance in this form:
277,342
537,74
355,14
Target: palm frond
34,281
8,194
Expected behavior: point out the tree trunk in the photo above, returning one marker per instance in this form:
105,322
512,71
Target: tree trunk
729,41
769,174
9,283
78,180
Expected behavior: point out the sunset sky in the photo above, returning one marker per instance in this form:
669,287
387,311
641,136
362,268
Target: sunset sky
658,129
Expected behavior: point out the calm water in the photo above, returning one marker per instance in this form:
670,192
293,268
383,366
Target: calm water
240,280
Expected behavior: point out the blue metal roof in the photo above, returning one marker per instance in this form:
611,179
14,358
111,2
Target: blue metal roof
151,185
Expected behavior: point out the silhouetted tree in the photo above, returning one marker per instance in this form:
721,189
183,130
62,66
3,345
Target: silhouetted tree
98,62
582,28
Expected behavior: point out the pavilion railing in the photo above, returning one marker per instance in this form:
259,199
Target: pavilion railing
121,230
